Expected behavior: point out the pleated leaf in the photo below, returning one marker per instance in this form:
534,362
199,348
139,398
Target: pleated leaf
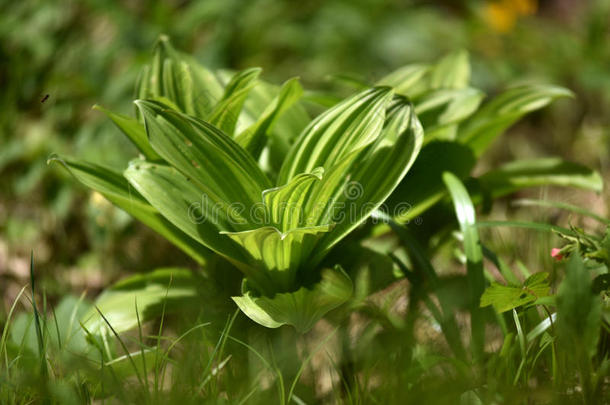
286,204
133,130
221,169
189,86
226,112
379,171
334,134
451,72
538,172
182,203
116,189
441,108
504,110
254,138
302,308
277,256
405,79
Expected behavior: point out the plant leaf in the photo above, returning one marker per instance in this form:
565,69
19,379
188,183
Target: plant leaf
302,308
133,130
377,171
172,288
442,108
177,77
183,204
116,189
504,298
286,204
504,110
537,172
451,72
404,79
464,211
253,138
334,134
275,257
221,169
226,112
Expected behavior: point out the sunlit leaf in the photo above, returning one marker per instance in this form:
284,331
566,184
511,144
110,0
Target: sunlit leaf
302,308
183,204
276,256
253,138
504,110
537,172
225,114
170,289
133,130
464,211
177,77
334,134
377,171
222,170
116,189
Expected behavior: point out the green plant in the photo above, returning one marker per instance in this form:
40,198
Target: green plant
230,164
201,174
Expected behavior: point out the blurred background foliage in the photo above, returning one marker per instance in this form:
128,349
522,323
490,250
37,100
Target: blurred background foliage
82,52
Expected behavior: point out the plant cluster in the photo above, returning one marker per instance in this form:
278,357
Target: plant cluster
322,222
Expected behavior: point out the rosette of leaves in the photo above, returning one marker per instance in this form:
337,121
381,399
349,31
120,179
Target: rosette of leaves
201,180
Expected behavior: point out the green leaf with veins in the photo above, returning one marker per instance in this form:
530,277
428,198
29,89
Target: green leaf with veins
301,308
507,297
226,112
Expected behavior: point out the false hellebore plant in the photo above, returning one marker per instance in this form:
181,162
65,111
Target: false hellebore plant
217,173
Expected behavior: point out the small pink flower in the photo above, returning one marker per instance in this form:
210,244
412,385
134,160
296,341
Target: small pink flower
555,254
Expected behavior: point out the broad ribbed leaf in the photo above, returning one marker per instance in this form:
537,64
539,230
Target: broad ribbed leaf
378,171
441,108
451,72
133,130
185,206
222,170
277,256
253,139
404,79
333,135
227,110
177,77
286,204
302,308
116,189
504,110
163,290
538,172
